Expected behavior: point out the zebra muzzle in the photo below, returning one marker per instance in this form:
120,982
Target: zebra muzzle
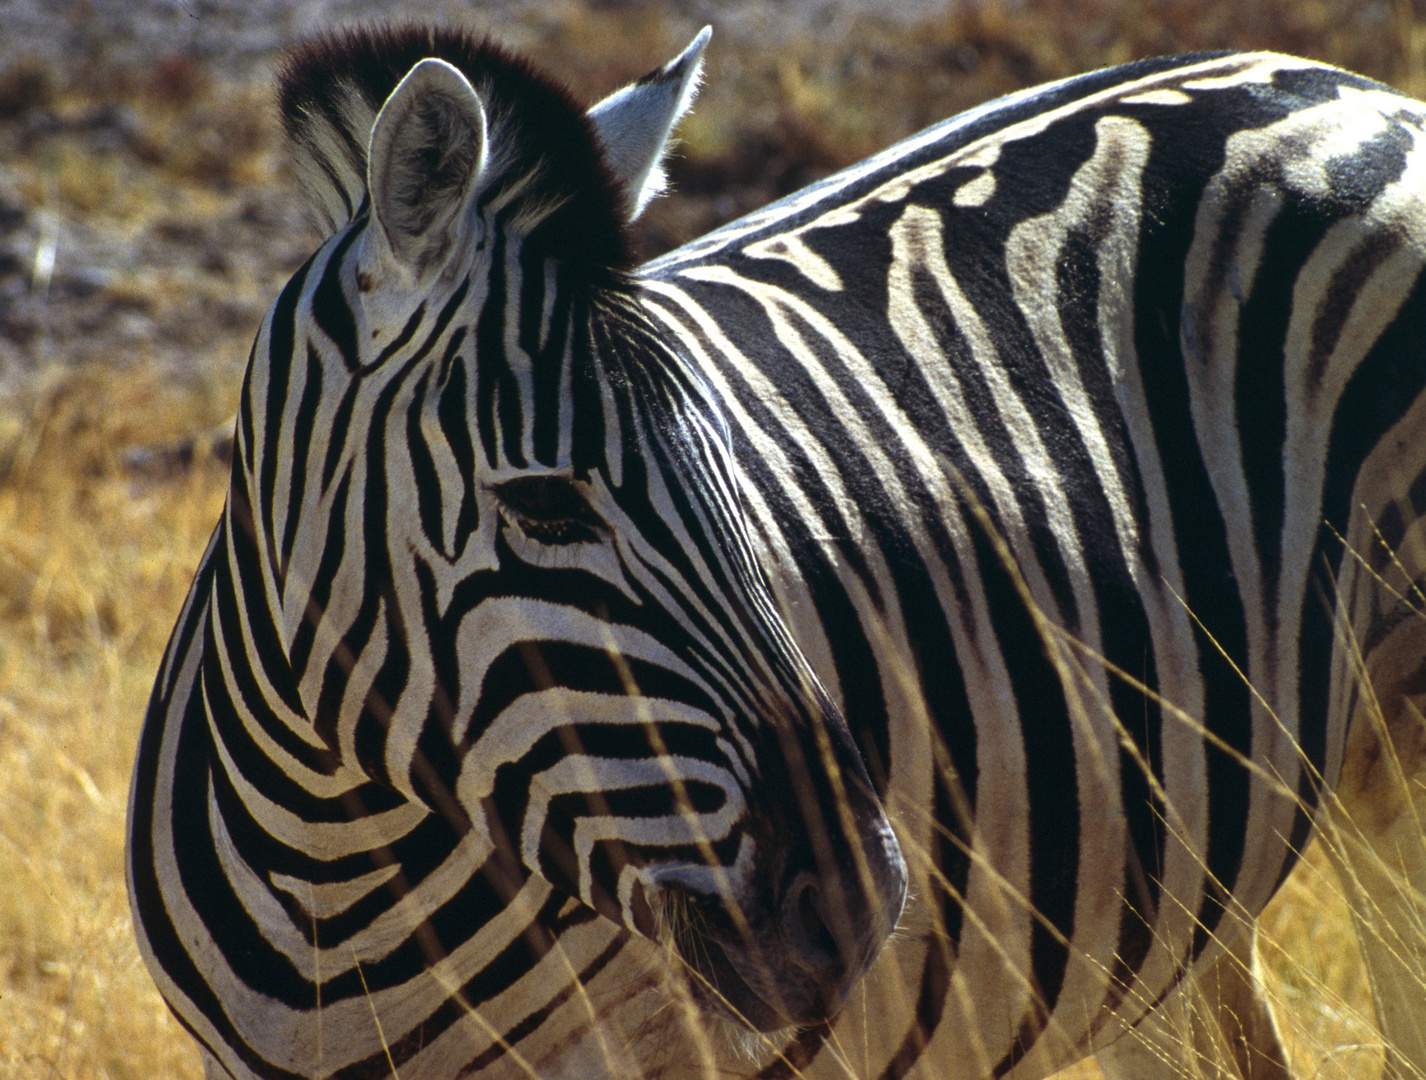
792,955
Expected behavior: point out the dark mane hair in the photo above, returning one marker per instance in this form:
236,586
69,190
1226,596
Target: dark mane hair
331,88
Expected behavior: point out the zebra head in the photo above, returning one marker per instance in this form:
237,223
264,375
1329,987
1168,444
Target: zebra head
498,520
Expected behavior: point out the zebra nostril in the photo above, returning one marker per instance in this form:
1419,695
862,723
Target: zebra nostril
805,924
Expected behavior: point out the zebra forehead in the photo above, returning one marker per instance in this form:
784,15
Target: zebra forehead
548,170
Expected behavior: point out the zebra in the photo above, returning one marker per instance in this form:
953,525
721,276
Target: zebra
912,630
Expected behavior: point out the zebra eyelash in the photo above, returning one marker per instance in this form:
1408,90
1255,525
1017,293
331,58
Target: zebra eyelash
549,510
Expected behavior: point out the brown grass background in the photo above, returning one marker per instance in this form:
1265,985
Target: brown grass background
190,213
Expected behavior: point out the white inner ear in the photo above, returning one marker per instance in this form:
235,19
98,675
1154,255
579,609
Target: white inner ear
427,153
634,124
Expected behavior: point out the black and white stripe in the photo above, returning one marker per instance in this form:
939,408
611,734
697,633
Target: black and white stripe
569,627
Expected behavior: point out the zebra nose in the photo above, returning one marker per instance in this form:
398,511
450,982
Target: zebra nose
808,928
831,933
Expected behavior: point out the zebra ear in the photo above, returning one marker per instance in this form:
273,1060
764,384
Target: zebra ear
634,124
427,153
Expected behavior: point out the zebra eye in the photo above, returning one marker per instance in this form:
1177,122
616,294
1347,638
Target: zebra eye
549,509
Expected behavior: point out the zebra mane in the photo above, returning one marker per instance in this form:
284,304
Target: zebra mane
548,171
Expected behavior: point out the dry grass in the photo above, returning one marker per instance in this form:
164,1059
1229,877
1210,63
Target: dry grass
92,572
1316,979
94,565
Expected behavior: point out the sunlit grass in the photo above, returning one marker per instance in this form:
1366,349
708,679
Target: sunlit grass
93,568
1315,977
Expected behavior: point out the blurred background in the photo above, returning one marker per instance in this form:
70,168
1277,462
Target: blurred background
148,216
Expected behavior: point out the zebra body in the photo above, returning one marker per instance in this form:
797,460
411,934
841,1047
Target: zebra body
1122,334
568,628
